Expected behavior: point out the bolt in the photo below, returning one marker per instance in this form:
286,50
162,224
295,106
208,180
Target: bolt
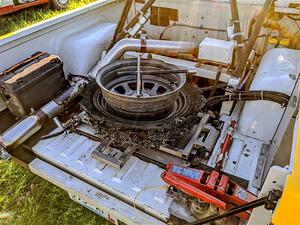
292,76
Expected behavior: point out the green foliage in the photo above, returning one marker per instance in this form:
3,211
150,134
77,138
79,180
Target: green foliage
16,21
26,199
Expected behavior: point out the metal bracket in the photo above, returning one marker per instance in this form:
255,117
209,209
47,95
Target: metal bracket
257,181
199,141
116,161
203,138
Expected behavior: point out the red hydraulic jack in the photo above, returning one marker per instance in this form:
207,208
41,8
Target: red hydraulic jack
211,187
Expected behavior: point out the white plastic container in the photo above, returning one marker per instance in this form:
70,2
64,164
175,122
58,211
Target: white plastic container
85,48
216,50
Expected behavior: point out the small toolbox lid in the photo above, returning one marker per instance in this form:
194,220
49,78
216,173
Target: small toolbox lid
27,70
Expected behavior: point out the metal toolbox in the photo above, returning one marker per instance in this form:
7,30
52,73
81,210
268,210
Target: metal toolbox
32,83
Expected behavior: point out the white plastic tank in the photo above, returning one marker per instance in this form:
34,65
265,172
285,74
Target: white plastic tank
82,50
277,71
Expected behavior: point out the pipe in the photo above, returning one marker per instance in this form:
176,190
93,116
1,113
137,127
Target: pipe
251,24
252,39
238,36
213,92
250,74
135,19
121,22
27,127
20,132
274,96
149,46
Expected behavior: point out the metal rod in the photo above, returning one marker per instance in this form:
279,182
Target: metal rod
213,92
135,19
233,211
150,72
139,91
121,22
49,136
252,39
85,134
238,37
58,123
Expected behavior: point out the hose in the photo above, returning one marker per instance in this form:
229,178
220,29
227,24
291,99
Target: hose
209,88
273,96
250,73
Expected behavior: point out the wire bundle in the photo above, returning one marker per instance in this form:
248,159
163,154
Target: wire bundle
273,96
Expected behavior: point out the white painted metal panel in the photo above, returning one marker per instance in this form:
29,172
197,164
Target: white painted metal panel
278,71
275,181
4,3
72,153
101,202
242,158
213,14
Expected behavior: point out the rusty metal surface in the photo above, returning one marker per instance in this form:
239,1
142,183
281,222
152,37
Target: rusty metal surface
149,134
159,91
116,160
161,16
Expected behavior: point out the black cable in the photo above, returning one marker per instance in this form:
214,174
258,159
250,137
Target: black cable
233,211
209,88
269,203
273,96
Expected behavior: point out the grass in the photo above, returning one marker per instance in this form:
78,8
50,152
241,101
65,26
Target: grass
16,21
26,199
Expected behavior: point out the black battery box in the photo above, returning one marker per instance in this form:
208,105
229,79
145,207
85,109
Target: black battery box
32,83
